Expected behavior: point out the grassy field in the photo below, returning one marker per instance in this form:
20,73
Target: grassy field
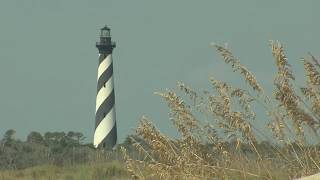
98,171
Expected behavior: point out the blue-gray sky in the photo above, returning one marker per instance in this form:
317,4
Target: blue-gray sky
48,60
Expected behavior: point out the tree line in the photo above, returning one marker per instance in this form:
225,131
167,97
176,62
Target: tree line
57,148
69,148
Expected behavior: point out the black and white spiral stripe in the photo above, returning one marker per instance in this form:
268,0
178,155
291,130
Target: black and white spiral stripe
105,134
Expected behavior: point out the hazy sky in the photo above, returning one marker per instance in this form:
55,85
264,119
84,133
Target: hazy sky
48,59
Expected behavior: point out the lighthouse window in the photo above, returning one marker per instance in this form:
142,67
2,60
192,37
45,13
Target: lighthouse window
104,85
104,114
105,33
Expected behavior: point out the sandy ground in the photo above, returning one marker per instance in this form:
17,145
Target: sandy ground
313,177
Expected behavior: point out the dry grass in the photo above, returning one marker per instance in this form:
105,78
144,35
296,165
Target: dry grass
97,171
204,152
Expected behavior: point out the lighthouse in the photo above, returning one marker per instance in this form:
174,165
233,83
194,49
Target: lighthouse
105,133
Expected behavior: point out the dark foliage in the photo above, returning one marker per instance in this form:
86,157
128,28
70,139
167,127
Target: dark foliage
57,148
